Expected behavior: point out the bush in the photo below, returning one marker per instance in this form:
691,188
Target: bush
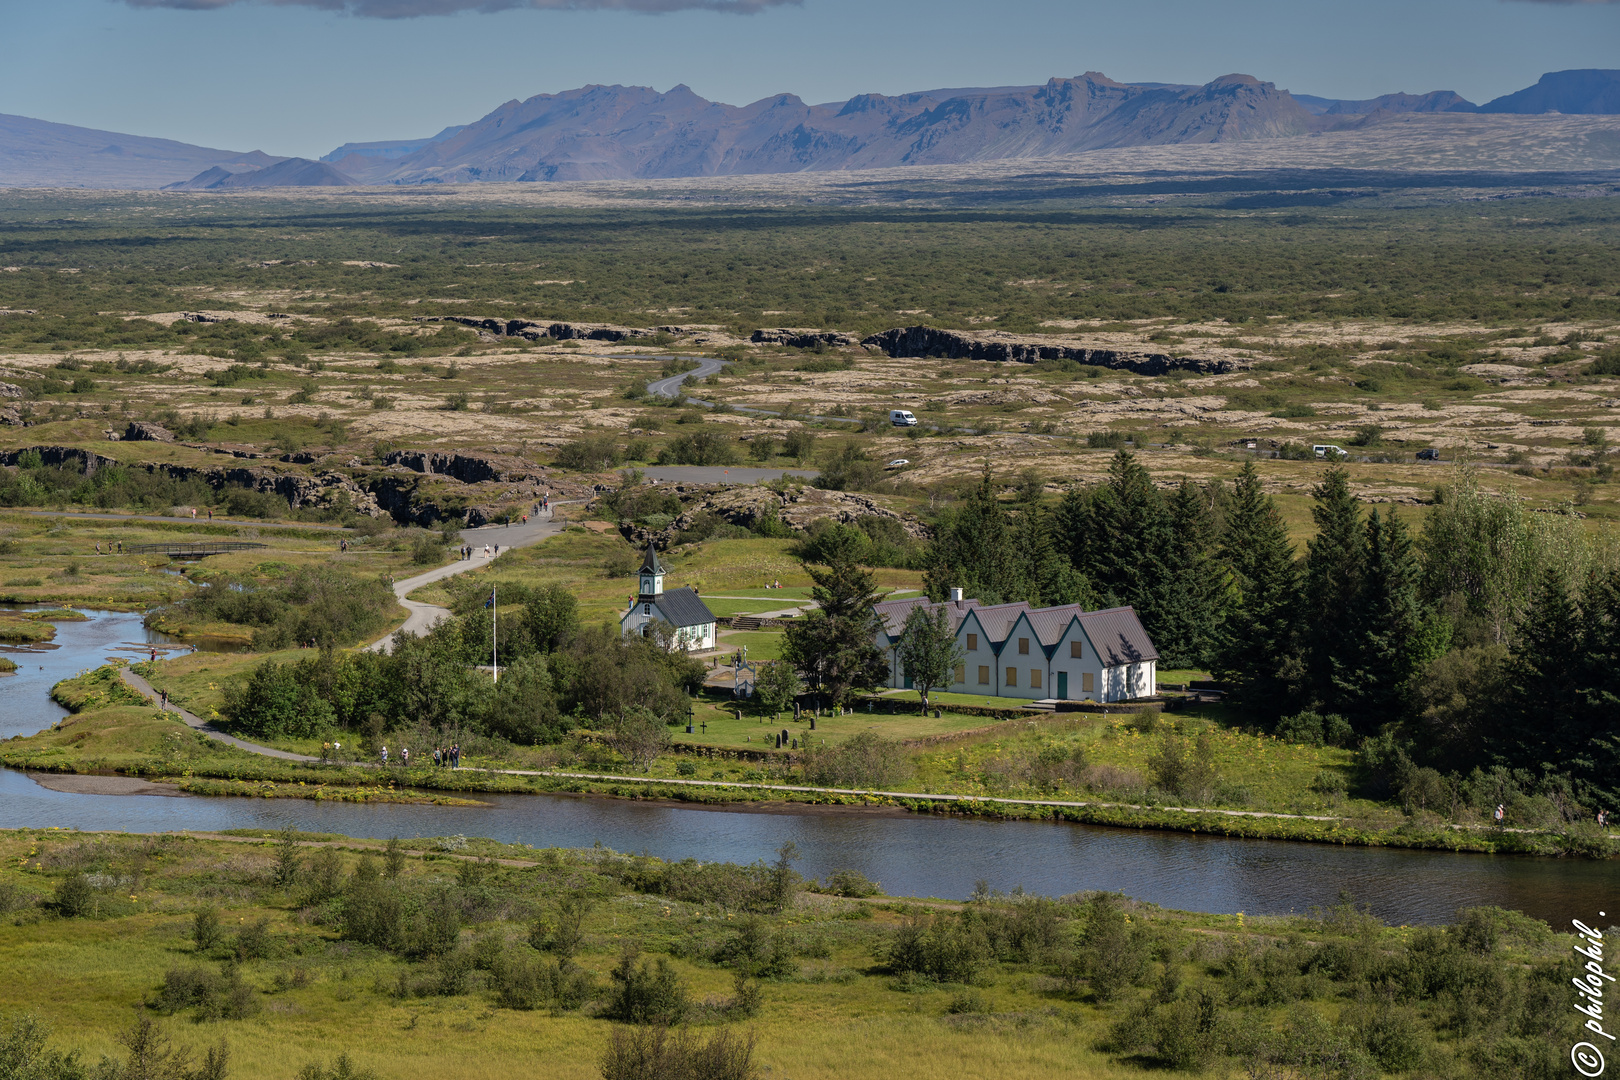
851,883
427,550
754,950
522,981
253,941
590,453
645,992
564,935
342,1069
865,760
656,1053
1185,768
205,931
1111,956
372,913
215,996
75,898
940,948
1106,440
703,448
1303,727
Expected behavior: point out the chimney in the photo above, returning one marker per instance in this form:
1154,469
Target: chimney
956,596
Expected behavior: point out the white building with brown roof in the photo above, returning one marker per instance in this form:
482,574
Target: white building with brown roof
1014,650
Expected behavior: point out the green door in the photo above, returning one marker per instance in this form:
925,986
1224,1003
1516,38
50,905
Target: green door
908,682
1063,686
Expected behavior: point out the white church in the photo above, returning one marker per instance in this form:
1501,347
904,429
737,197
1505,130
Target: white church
694,623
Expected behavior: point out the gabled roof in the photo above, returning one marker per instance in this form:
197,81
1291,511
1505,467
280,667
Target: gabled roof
1115,633
1118,636
650,563
893,613
681,607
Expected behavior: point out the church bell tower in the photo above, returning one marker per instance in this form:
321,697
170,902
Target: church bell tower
652,575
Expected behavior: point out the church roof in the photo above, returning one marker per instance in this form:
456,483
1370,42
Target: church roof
681,607
650,563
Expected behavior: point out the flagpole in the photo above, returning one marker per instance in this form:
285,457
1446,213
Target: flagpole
494,649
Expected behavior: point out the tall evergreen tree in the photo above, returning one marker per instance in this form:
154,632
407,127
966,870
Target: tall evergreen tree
973,550
1595,745
1256,654
1391,641
1334,560
1196,588
1546,717
835,645
1047,575
1127,550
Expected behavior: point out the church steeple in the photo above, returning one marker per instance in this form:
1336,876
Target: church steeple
652,573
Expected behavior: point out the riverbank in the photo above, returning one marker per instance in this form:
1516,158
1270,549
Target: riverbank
143,742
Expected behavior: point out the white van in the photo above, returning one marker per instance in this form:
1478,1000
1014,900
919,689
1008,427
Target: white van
1332,453
902,418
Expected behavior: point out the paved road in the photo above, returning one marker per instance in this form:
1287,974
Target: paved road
671,386
186,521
423,616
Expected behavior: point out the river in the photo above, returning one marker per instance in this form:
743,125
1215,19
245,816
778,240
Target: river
911,855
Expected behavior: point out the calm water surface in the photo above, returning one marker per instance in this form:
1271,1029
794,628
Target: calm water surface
910,854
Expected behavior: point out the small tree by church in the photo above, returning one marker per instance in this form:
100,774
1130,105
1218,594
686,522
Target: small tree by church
778,684
929,651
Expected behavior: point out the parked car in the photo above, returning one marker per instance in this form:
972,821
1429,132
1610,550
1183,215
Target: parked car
1431,454
902,418
898,463
1328,450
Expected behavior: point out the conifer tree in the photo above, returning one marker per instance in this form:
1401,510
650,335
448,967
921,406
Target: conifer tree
1196,589
1126,551
1544,720
1256,652
973,550
1047,576
835,645
1334,560
1392,642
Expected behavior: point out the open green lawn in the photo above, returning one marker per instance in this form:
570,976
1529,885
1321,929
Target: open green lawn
762,644
725,730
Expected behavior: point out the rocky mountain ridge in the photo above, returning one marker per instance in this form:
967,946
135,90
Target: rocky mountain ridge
628,132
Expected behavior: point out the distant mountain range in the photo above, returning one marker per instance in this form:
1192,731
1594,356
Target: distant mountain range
623,132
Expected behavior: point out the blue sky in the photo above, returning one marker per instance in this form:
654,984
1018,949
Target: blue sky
302,76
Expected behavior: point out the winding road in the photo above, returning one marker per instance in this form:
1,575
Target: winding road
422,616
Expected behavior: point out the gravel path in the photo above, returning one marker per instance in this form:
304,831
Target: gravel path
144,688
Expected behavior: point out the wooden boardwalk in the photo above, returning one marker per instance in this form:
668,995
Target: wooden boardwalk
192,550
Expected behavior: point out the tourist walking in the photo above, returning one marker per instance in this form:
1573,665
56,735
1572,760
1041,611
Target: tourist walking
385,757
1500,812
404,757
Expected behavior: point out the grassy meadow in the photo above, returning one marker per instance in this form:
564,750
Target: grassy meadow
262,940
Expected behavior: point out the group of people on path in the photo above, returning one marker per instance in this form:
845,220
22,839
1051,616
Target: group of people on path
444,757
1500,816
467,551
109,550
